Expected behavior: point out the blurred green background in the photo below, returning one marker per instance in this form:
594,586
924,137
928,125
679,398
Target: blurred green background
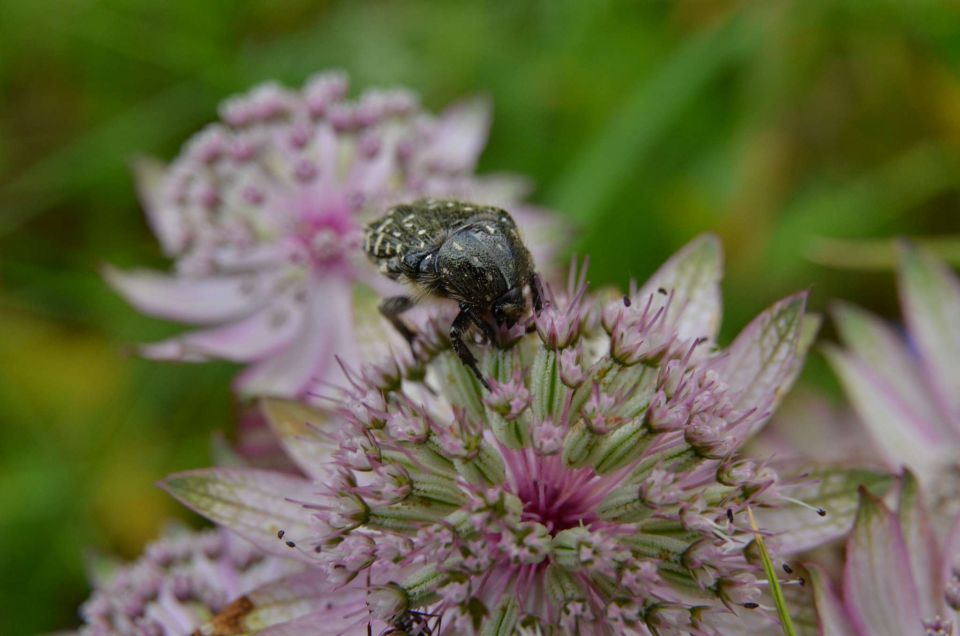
775,124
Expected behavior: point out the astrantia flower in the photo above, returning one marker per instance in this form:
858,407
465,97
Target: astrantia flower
907,391
596,488
899,578
263,212
181,581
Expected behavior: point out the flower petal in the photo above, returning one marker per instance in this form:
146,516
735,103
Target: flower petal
901,437
870,339
832,489
281,603
831,614
245,340
950,566
258,335
165,220
460,135
878,583
765,357
327,331
192,300
692,276
256,504
921,542
297,427
930,294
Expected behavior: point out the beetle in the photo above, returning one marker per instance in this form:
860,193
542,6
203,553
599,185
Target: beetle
467,252
413,623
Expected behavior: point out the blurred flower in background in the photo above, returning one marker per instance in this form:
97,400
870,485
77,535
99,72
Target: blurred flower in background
900,577
906,388
263,213
182,580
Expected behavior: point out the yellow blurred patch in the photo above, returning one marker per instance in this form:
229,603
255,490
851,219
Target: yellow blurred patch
54,370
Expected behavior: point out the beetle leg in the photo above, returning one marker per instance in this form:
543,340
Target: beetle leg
536,293
460,325
485,327
391,308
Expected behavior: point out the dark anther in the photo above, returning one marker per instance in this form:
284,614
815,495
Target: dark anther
751,605
802,581
291,544
787,568
626,301
280,533
821,512
730,515
661,290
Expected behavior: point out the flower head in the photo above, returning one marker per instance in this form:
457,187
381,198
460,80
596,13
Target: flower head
907,391
182,580
900,577
263,212
595,489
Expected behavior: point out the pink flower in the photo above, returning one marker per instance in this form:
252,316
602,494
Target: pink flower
262,213
900,577
592,493
182,580
907,390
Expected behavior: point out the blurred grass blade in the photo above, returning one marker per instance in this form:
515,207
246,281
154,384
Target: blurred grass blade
876,254
785,621
867,204
618,150
99,153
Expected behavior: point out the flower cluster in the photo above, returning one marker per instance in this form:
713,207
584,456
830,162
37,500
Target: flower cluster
263,214
181,581
595,489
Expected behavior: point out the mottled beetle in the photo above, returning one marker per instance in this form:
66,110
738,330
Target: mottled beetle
470,253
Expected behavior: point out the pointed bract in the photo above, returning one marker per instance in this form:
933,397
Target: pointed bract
931,304
691,278
256,504
921,545
831,613
903,438
832,490
764,358
879,589
298,427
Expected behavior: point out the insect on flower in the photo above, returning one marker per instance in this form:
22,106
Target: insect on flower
467,252
413,623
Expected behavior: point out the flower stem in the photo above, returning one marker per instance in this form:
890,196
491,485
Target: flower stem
781,603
